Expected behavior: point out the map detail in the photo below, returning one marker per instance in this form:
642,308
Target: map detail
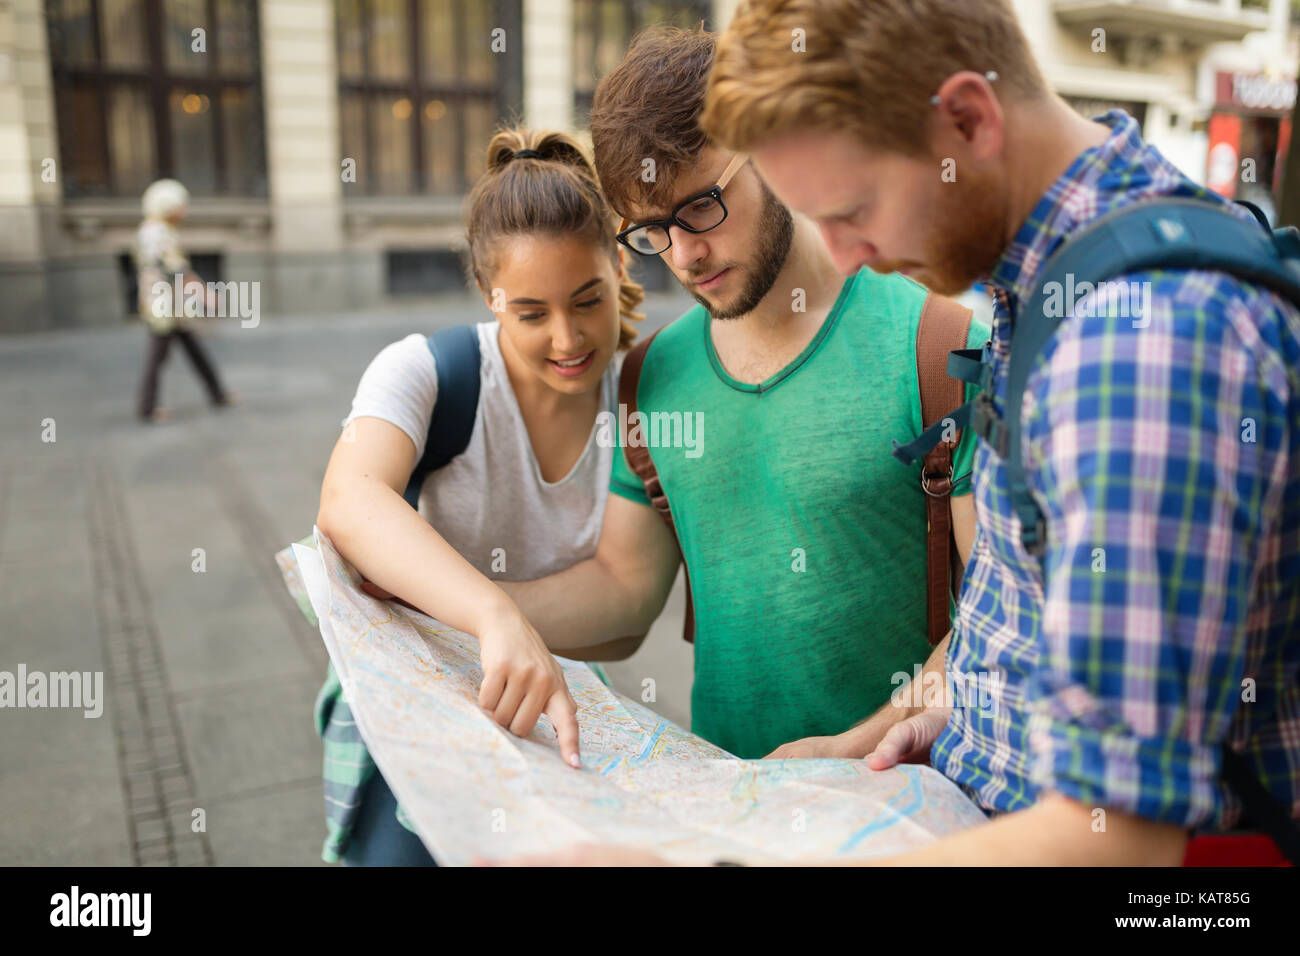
474,790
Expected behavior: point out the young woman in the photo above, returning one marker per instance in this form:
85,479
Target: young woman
527,495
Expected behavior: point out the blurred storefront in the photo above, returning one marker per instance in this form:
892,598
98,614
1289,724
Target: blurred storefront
329,144
1180,68
1250,131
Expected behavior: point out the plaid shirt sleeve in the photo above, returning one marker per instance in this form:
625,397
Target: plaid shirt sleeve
1164,447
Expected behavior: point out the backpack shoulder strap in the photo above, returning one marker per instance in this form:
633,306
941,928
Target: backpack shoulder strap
643,466
456,357
1177,234
638,456
944,327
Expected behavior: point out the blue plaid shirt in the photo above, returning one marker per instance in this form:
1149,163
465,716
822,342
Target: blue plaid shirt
1165,617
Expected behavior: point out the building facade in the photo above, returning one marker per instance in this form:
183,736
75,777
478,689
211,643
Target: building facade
1165,63
328,144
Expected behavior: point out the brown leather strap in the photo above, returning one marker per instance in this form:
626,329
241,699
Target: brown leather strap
944,327
643,466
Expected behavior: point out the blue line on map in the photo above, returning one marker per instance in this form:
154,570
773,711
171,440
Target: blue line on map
651,743
889,815
610,764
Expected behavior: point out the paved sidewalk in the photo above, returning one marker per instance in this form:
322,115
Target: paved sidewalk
209,675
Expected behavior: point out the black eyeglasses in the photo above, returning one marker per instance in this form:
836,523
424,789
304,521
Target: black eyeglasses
699,213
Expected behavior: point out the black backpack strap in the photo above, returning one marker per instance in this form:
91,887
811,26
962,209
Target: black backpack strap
1255,211
1263,811
915,450
456,357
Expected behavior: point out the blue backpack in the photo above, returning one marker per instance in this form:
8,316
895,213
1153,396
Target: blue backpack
456,356
1166,233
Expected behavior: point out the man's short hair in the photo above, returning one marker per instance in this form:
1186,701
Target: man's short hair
648,108
867,67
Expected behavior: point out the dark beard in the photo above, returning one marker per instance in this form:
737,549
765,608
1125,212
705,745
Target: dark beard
775,235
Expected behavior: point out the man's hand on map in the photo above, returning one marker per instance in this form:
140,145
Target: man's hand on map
522,680
909,741
814,747
584,854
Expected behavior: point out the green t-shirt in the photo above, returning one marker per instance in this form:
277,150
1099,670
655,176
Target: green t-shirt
803,537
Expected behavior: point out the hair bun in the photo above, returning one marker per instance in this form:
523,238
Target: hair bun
548,146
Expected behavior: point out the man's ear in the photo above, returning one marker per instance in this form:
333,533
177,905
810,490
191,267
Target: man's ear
970,108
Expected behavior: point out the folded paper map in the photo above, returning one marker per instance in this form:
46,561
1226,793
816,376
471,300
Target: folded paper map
474,790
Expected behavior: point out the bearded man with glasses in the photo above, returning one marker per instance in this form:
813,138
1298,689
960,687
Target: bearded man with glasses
704,211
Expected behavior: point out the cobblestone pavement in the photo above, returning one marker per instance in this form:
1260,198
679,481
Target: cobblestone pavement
205,752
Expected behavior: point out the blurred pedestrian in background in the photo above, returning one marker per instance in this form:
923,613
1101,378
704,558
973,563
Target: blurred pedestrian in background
159,257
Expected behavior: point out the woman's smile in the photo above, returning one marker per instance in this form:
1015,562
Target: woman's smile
573,367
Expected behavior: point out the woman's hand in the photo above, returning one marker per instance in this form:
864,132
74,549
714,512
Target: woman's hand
522,680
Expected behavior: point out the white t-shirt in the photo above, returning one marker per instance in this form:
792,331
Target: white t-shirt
492,496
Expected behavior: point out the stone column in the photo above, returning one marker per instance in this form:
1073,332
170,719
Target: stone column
307,268
548,64
29,168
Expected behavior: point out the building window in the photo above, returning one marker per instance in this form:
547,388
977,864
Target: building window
603,32
152,88
422,86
